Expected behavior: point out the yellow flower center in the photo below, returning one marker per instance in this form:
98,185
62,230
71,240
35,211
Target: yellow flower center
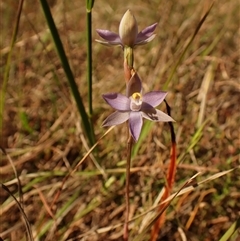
136,96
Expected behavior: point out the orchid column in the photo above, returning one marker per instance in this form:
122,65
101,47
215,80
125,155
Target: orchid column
135,105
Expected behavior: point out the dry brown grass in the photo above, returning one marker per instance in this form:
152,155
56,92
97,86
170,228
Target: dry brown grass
43,136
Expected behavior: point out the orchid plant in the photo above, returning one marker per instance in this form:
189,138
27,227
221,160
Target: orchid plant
134,106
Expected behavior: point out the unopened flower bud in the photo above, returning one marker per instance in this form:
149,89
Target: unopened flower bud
128,29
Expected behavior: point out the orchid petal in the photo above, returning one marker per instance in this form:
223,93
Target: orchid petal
134,85
108,43
116,118
147,40
156,115
146,34
135,124
154,98
117,101
111,37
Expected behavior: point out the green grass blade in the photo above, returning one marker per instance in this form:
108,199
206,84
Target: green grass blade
3,88
89,59
61,212
67,70
89,65
144,133
90,4
187,47
231,231
194,141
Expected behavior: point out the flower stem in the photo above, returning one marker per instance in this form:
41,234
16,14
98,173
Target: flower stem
128,62
129,150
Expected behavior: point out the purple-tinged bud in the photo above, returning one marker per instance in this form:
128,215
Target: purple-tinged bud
128,29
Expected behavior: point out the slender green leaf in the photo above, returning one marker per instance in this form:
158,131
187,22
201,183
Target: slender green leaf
67,70
3,88
231,231
89,66
89,4
144,133
186,48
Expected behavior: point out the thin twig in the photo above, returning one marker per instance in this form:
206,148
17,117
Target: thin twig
20,193
25,218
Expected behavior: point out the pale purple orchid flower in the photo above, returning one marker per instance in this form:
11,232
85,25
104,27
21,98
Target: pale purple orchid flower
128,33
135,106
